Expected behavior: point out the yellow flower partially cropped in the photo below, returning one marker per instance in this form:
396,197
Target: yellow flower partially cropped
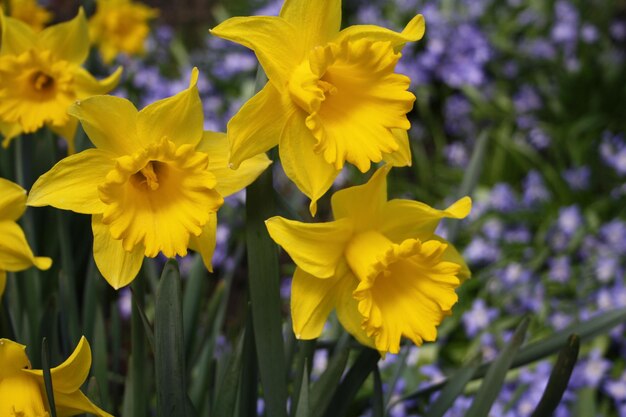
332,95
29,12
41,76
379,264
22,390
153,184
15,254
120,26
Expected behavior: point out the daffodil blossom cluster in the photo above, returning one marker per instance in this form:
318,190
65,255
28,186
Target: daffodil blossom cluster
22,391
41,76
15,254
379,264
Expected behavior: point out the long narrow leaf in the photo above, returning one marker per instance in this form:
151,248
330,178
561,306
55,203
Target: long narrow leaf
559,378
171,382
47,376
303,407
354,379
494,379
453,388
265,295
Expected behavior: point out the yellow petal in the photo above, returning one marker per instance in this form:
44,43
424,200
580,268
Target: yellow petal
12,200
401,157
314,247
178,118
68,40
363,203
76,403
12,357
257,126
308,170
9,131
68,132
412,32
403,219
110,122
17,36
348,312
71,374
276,43
229,181
72,184
318,21
205,243
87,86
312,300
3,283
15,254
452,255
116,265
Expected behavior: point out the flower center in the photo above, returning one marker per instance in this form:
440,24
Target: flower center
158,197
42,81
148,176
353,99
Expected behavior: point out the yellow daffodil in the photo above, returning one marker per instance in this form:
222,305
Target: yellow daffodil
379,264
22,390
15,254
29,12
120,26
41,76
153,184
332,95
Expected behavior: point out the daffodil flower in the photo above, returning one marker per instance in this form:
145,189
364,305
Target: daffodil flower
153,184
332,95
41,76
15,254
120,26
29,12
22,390
379,264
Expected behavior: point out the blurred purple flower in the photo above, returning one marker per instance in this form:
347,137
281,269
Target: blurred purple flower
570,219
478,317
502,198
534,189
577,178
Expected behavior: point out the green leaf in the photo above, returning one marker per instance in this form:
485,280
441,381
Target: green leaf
100,360
263,281
453,388
171,382
354,379
248,389
378,406
226,395
147,327
303,407
305,356
135,395
323,389
195,290
47,377
494,379
559,378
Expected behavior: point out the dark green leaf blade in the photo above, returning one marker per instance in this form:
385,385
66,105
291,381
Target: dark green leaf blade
559,378
494,379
